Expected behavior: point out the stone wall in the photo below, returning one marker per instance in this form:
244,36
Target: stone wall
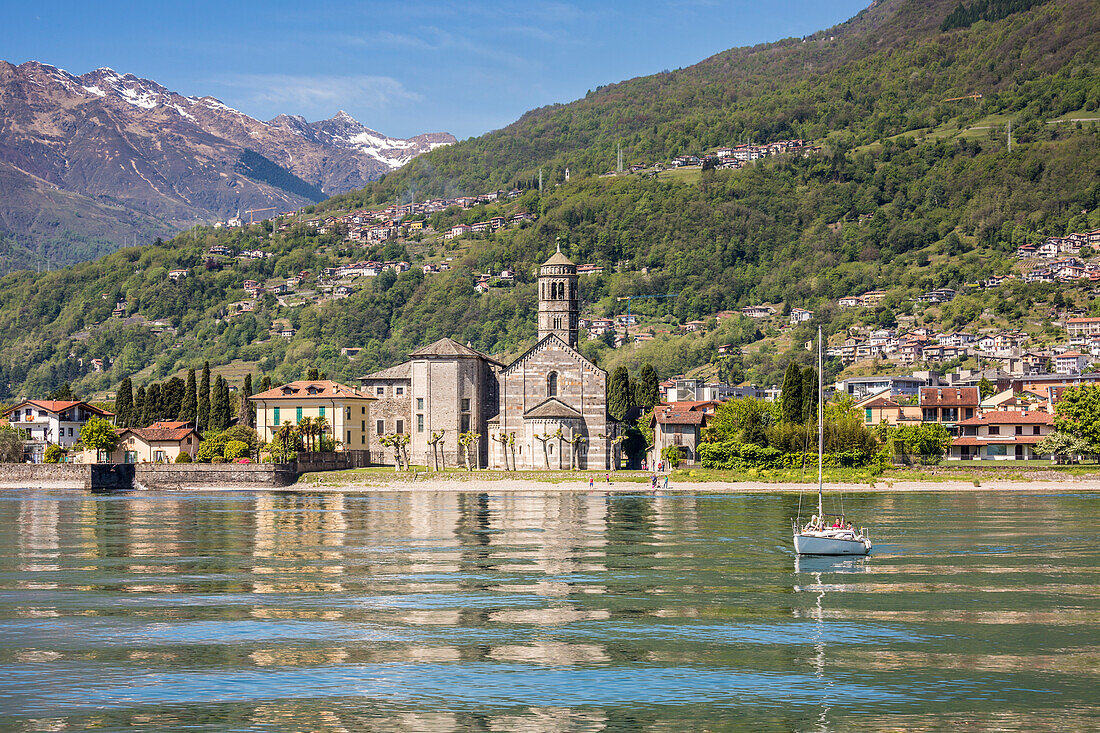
44,475
214,475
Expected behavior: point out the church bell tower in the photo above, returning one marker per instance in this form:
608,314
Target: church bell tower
558,298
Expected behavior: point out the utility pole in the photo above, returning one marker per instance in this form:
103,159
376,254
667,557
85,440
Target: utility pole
1010,136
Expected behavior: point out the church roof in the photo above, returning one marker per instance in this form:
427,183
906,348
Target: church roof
449,347
551,408
552,340
559,259
401,371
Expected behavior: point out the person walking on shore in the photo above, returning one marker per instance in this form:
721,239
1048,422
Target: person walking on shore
591,484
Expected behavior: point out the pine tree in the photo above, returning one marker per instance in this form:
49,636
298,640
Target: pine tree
219,405
619,393
648,390
124,403
202,414
809,395
138,410
791,396
189,406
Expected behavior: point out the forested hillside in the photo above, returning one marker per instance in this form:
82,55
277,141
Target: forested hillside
943,204
888,70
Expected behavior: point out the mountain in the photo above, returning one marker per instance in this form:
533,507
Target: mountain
88,162
906,192
886,71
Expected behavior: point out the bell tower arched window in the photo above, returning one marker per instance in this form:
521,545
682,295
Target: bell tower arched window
552,384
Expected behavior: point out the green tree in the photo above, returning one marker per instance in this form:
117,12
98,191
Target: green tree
235,449
247,411
791,397
619,393
124,402
202,404
672,455
172,398
11,444
151,412
53,453
189,403
986,389
1061,446
745,420
64,392
809,395
219,405
1078,414
647,390
99,435
139,408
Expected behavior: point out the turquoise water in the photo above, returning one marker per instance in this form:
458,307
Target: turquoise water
544,612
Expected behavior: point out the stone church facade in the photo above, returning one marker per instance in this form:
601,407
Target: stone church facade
547,409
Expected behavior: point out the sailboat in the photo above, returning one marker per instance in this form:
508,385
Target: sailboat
826,534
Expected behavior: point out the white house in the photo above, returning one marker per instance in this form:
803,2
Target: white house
51,421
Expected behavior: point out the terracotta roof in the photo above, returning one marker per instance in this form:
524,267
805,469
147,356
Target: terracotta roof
949,397
1010,417
170,425
552,408
448,347
401,371
158,435
679,418
998,440
59,406
306,388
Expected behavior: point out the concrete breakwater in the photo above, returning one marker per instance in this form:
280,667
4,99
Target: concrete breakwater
147,476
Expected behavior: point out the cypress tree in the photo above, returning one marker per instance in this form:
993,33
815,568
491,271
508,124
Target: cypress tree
648,389
247,418
265,383
619,393
312,373
124,402
151,412
188,405
809,395
202,413
172,398
219,405
792,394
138,410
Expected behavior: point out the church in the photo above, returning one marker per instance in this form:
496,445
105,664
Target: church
545,410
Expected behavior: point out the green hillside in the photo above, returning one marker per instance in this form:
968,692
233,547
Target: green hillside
928,197
886,71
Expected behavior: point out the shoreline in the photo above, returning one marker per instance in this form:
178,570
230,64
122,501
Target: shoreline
466,484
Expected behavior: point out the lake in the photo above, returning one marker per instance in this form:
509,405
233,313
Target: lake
544,612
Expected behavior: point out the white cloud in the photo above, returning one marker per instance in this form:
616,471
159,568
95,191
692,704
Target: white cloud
322,92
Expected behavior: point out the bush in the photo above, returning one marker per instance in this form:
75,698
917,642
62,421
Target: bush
235,449
53,454
217,459
183,458
672,455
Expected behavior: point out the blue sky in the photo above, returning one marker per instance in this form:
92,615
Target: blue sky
399,67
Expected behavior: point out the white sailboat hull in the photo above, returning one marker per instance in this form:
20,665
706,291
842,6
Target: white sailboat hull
829,543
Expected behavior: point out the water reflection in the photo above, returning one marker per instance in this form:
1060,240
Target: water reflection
548,611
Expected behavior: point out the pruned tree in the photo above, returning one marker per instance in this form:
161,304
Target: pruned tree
502,438
397,442
544,439
614,441
467,439
575,439
436,443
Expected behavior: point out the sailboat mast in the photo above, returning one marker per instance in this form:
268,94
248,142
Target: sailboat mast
820,426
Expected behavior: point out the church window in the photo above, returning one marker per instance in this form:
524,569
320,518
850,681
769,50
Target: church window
420,423
465,404
380,427
551,448
464,423
552,384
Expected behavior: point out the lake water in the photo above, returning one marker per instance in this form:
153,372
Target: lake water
544,612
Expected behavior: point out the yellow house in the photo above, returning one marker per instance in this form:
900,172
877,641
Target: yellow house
345,410
880,408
